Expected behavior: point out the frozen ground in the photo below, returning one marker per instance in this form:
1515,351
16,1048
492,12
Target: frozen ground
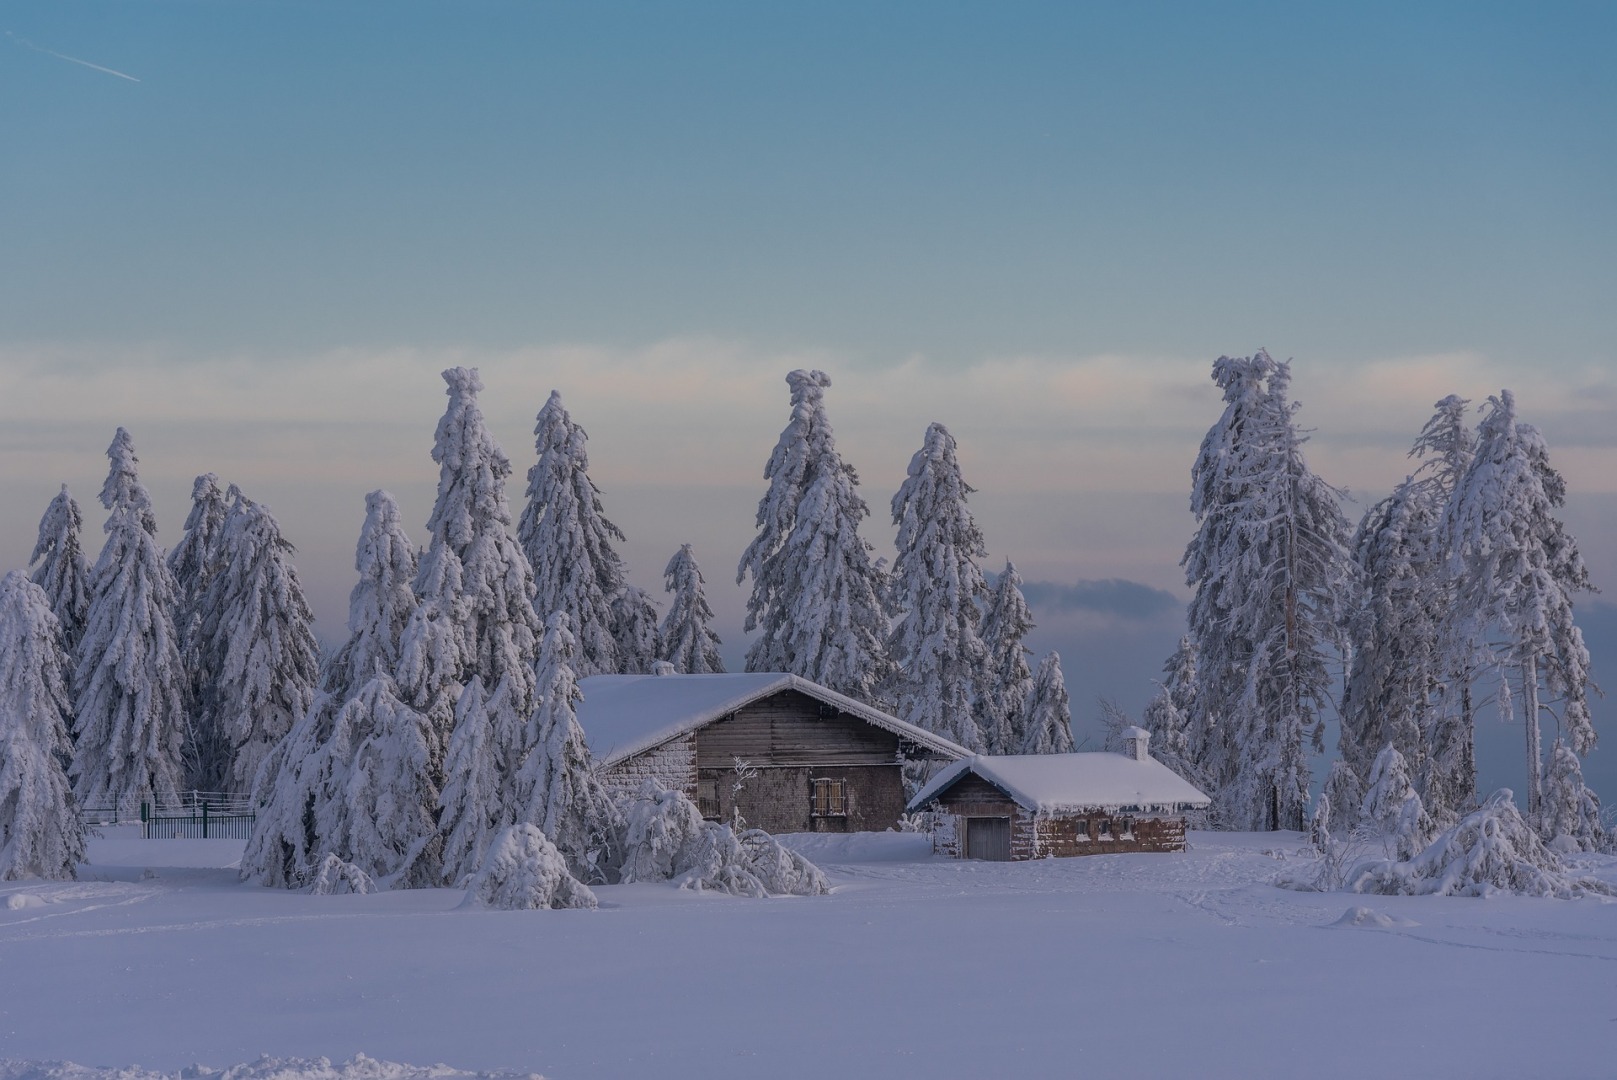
1130,965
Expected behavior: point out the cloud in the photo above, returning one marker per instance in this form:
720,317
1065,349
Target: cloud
1112,596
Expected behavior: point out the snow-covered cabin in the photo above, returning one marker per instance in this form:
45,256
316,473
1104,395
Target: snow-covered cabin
810,759
1027,806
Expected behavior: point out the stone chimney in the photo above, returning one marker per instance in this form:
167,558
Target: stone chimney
1137,743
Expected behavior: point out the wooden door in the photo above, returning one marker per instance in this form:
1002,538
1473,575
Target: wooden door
988,838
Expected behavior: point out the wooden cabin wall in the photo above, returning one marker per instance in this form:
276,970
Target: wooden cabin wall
787,729
780,798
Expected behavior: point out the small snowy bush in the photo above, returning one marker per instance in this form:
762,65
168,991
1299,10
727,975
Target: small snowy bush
1491,850
665,839
524,871
338,878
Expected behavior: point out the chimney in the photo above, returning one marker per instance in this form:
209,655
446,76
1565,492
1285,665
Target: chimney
1137,743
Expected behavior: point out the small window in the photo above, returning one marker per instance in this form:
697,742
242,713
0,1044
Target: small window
1080,829
1127,828
707,799
1103,831
830,798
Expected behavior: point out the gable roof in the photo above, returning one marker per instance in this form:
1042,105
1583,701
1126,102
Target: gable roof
624,715
1055,782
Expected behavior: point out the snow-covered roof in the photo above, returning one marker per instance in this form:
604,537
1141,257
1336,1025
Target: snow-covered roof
624,715
1054,782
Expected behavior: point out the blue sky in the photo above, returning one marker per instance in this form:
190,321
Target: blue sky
1036,223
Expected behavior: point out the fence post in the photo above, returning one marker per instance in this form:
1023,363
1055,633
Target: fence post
204,820
145,820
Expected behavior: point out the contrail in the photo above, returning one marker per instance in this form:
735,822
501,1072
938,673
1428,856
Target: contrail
70,59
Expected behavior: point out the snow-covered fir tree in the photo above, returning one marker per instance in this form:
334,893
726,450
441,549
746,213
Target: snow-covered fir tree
635,631
555,785
1168,715
1004,690
1345,792
688,640
1396,672
937,590
1518,570
1272,582
40,832
193,562
489,594
1048,728
816,596
470,802
1447,445
1570,819
129,682
258,628
59,568
1392,806
390,797
298,801
381,603
427,675
568,539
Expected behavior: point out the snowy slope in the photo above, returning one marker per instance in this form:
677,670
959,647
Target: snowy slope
1129,965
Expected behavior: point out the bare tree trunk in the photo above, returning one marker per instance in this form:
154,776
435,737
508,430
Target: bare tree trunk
1534,751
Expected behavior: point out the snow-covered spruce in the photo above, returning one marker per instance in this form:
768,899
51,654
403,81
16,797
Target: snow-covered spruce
1570,818
426,674
1518,570
193,562
487,588
816,597
666,839
338,878
390,799
555,786
59,569
1004,692
40,832
129,682
1168,716
1048,728
568,539
937,589
1447,446
381,603
1491,850
525,872
688,640
299,800
1392,807
1345,791
1272,583
470,803
635,631
258,629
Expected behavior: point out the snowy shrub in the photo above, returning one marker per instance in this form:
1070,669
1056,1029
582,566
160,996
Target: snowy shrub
525,872
658,826
1491,850
337,878
666,839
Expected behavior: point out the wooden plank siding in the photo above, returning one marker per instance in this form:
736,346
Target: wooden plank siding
1037,835
790,744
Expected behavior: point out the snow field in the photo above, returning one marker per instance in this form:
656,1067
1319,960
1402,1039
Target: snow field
1130,965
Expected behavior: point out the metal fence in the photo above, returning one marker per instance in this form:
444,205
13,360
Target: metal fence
206,815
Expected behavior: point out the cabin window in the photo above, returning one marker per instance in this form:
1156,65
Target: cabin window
707,799
1103,831
1080,828
1127,828
830,798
